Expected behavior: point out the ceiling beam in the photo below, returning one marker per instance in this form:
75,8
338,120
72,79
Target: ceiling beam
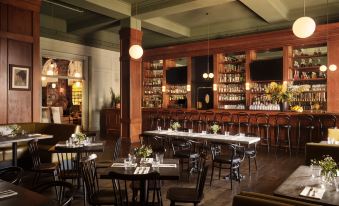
160,9
272,11
116,9
166,27
90,25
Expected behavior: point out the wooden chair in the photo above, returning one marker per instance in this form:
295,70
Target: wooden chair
149,194
38,167
63,191
283,132
189,195
305,129
116,153
12,174
94,195
263,126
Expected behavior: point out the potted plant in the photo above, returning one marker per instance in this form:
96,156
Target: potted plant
328,169
112,98
143,152
175,126
117,101
215,128
79,137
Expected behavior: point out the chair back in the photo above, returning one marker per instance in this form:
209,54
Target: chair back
150,181
63,191
282,120
201,180
180,145
12,174
261,118
326,122
156,143
34,152
88,172
117,146
69,163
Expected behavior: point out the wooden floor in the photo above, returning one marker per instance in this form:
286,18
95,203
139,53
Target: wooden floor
272,171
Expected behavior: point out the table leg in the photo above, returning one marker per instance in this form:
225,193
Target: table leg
142,192
14,154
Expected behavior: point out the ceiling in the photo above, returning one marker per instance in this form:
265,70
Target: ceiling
167,22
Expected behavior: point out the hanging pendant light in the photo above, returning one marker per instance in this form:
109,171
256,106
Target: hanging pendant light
208,75
304,26
136,51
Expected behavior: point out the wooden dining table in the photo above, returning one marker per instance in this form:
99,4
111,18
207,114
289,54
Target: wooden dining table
24,197
20,138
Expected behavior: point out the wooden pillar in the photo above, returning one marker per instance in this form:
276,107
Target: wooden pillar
333,77
130,85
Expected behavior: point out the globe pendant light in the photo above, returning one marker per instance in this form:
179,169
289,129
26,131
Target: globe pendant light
208,75
304,26
136,51
332,67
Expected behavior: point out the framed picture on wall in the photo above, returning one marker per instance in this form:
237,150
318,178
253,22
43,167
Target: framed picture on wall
19,77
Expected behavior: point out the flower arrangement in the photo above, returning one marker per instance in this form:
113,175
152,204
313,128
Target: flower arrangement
175,125
80,137
215,128
282,92
143,151
328,167
15,129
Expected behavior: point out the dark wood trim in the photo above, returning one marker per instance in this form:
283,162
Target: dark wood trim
33,5
17,37
36,87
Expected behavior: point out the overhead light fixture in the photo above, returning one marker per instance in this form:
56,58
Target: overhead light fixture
135,50
215,87
188,87
304,26
53,85
43,78
208,75
332,67
247,86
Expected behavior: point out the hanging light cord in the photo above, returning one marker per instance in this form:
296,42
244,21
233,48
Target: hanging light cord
304,8
208,44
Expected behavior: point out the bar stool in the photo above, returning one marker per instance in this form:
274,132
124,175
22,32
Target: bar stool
306,125
283,123
166,119
206,120
242,120
263,129
326,122
227,121
194,118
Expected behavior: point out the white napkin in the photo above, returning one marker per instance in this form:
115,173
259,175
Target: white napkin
141,170
95,144
118,164
313,192
146,160
7,193
167,165
34,135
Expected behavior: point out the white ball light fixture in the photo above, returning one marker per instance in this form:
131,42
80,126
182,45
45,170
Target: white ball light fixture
332,67
304,27
205,75
210,75
323,68
136,51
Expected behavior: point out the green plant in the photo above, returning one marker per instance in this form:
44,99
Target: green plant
215,128
112,97
15,129
143,151
80,136
175,125
117,99
328,167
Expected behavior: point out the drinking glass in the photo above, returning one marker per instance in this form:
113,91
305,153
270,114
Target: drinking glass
336,183
159,128
190,131
227,133
315,171
204,132
156,161
127,163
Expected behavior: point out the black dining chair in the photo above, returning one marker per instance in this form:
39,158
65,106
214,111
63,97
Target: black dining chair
189,195
62,192
116,154
12,174
251,153
94,195
149,194
39,167
227,156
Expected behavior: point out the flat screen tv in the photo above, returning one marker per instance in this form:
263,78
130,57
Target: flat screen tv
176,75
268,69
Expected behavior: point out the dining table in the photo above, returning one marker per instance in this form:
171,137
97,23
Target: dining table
14,139
301,178
22,196
222,138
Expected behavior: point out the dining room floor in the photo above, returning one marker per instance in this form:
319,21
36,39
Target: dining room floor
272,171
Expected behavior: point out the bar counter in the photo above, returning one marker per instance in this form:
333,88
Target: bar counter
320,124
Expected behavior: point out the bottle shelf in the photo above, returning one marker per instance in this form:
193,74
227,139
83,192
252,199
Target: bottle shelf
309,56
232,92
233,62
309,80
241,72
313,68
231,82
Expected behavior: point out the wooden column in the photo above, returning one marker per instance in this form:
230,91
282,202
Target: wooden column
130,85
333,77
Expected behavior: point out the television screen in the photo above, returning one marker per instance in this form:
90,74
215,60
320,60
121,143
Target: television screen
269,69
176,75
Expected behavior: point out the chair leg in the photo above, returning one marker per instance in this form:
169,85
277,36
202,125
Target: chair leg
249,165
219,171
268,140
231,171
277,141
289,141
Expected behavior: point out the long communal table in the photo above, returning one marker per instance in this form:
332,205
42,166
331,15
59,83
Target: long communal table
235,139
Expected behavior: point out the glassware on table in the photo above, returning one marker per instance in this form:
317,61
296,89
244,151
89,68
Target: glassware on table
190,131
336,183
227,133
315,171
156,161
159,128
204,132
127,163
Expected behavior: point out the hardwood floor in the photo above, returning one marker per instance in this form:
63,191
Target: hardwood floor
272,171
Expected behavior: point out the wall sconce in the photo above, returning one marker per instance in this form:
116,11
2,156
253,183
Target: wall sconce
53,85
247,86
163,88
78,84
215,87
188,87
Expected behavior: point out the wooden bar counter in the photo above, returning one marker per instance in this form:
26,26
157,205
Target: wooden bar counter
319,133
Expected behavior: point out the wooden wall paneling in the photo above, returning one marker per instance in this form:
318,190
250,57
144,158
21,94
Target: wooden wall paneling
3,81
32,5
217,59
166,64
333,77
250,56
36,86
20,21
287,62
189,81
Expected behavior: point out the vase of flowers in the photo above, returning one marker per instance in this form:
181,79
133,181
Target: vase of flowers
79,138
215,128
143,151
283,94
175,126
328,169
